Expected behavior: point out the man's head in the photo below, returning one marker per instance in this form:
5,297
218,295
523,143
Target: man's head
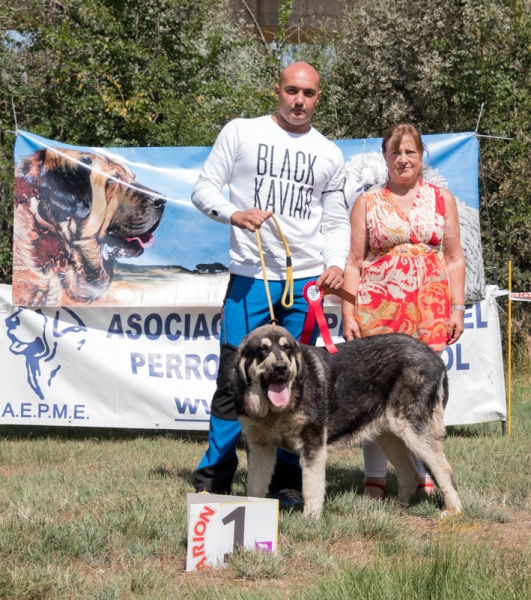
297,93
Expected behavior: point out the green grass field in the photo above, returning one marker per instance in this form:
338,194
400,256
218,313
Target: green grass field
87,514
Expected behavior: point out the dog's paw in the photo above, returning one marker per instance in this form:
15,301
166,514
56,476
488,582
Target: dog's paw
312,512
449,513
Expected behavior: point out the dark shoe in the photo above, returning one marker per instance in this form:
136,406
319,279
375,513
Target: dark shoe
289,498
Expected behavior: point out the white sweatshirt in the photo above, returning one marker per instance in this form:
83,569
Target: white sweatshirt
299,177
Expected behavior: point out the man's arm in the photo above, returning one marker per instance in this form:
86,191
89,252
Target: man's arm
216,172
336,231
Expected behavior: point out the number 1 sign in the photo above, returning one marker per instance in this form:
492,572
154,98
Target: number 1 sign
218,524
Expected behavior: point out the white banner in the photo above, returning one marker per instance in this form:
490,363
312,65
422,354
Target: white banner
521,296
156,368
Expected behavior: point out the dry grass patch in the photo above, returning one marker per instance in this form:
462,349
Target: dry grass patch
104,517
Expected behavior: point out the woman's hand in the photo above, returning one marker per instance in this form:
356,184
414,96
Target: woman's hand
351,329
455,326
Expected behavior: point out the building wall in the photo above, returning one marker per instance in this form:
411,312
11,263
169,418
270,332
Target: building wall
303,17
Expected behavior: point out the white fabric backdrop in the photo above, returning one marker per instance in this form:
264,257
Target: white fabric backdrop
156,368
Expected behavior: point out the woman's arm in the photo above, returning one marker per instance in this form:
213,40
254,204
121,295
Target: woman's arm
358,250
455,263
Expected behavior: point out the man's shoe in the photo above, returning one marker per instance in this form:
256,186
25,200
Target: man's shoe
289,498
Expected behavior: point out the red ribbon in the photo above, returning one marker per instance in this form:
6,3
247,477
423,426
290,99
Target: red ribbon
313,295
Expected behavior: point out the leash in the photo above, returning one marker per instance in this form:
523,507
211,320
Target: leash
289,273
311,293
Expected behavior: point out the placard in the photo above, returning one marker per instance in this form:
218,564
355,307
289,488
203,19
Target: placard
218,524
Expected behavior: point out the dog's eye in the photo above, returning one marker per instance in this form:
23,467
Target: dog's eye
115,179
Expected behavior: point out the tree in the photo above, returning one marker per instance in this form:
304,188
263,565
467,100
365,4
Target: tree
434,63
124,73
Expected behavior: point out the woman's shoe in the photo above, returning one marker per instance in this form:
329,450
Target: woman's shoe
427,487
376,496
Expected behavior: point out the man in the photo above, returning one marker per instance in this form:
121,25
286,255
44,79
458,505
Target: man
273,165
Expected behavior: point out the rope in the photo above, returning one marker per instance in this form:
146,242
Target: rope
289,273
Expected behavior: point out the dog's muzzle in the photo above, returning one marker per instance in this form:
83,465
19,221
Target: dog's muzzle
277,391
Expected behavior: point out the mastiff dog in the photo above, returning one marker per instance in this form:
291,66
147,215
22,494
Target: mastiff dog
389,388
75,213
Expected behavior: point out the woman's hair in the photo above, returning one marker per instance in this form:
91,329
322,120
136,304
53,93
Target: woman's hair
393,136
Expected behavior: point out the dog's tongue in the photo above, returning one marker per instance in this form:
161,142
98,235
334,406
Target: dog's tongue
145,240
278,394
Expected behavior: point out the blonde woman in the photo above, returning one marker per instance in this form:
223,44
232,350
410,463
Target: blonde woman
406,268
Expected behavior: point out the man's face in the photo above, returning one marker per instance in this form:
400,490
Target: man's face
297,94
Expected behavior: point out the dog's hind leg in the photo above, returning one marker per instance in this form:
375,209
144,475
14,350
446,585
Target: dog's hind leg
261,464
430,451
314,480
400,457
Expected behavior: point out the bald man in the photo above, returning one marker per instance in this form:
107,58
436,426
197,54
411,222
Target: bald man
277,165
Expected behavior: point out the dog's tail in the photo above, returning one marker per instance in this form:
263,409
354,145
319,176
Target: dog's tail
442,389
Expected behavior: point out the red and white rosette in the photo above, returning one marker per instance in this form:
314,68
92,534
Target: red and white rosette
314,295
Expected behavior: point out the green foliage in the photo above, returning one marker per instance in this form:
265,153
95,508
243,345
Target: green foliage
139,73
172,72
435,63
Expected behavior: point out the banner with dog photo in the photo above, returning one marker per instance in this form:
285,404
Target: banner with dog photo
156,368
116,227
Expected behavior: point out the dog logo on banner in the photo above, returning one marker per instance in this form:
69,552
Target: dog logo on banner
37,340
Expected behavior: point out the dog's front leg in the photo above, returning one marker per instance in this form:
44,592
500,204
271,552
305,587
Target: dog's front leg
313,465
261,460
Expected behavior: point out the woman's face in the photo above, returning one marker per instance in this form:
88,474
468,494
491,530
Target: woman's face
405,163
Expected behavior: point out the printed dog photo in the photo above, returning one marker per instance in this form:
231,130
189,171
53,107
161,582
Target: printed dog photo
388,388
75,213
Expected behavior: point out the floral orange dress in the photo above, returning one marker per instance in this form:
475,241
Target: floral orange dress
404,284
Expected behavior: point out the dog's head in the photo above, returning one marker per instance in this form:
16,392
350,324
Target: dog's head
95,211
268,366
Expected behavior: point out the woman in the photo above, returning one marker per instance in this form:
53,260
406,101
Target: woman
406,267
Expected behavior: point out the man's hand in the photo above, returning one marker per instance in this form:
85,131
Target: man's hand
249,219
332,278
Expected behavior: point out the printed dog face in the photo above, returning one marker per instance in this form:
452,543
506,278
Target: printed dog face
73,217
268,362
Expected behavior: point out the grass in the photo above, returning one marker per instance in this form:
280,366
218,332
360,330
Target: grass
97,515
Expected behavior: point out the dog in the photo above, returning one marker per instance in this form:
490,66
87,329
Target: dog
73,217
389,388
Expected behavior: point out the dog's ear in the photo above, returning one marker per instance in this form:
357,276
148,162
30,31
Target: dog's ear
241,366
300,366
64,184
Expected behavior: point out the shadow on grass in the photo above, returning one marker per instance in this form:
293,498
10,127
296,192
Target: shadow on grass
239,480
186,475
25,432
339,481
479,430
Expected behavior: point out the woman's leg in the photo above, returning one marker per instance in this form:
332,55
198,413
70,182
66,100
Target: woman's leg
375,470
426,482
